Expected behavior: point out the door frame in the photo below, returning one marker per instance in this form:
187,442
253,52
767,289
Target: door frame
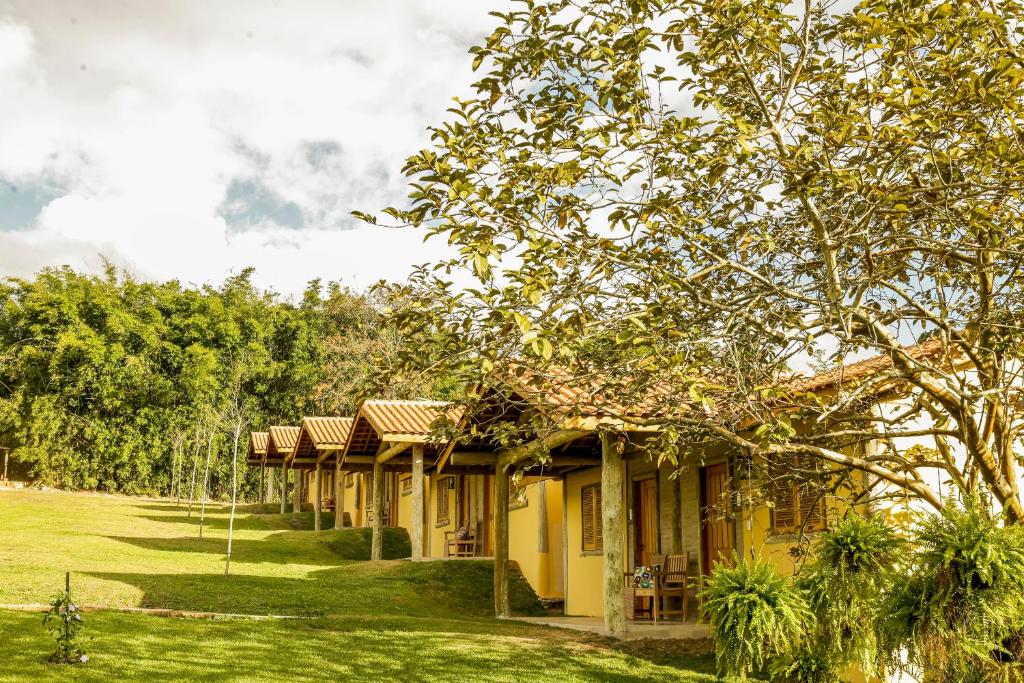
637,510
705,551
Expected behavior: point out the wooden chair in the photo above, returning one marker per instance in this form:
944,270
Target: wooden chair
672,583
459,547
649,598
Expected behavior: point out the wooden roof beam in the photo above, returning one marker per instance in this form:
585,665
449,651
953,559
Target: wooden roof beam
540,446
392,451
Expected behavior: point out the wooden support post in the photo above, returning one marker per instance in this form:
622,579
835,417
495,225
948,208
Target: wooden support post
319,500
543,545
339,494
418,510
377,542
271,485
613,521
677,515
501,602
259,490
284,488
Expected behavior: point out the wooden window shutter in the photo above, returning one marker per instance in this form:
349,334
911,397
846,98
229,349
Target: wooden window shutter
443,514
798,506
368,498
593,537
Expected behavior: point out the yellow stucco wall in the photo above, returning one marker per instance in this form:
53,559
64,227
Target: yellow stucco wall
585,571
404,508
543,570
436,533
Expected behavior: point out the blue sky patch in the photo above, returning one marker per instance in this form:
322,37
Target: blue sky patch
248,204
20,205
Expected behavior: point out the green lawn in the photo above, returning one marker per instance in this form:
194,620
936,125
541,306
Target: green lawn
389,620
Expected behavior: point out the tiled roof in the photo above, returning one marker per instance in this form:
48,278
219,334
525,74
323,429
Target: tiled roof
865,369
258,442
281,441
321,434
399,420
406,417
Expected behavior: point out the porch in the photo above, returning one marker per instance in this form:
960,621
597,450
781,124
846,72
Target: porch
635,630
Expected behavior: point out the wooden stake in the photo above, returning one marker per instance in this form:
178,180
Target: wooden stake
418,524
613,521
377,543
501,601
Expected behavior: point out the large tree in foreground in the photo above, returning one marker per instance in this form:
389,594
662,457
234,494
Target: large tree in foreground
679,200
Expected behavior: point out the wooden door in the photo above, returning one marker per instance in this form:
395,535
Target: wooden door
716,528
645,517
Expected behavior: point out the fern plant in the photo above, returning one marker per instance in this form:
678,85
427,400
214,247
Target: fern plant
853,567
959,613
755,614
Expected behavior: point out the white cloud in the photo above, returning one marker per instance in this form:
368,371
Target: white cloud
144,119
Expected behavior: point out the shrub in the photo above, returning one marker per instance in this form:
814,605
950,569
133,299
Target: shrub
64,621
756,615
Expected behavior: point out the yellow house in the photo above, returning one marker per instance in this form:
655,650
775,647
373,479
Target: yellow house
280,443
318,446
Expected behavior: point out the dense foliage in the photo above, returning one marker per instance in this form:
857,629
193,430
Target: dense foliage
945,605
110,383
674,201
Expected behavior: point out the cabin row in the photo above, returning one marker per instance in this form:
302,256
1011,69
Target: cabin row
579,508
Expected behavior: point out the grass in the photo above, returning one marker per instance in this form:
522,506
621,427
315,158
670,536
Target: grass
387,620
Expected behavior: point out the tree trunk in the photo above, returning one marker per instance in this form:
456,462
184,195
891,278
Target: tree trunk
613,523
206,483
195,472
377,545
234,497
501,601
418,524
318,497
339,494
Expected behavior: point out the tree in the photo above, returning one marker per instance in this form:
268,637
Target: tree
673,203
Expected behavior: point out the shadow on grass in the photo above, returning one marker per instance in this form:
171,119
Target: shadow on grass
286,547
387,588
401,649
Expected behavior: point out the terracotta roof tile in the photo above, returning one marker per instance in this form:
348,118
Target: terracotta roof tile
406,417
321,434
865,369
257,447
281,442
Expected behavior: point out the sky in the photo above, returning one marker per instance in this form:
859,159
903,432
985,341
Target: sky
190,139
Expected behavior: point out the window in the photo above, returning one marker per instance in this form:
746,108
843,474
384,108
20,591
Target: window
350,481
798,506
407,485
593,537
443,511
368,488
